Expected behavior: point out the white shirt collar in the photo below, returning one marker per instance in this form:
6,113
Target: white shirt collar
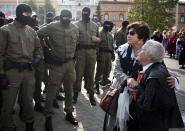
147,66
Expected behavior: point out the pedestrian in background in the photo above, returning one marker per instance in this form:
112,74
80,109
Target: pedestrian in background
164,39
181,42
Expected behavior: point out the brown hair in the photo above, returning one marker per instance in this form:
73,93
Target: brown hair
141,28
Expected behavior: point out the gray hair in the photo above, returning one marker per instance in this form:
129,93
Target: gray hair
155,49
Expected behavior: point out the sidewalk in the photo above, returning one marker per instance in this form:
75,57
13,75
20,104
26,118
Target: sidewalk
91,118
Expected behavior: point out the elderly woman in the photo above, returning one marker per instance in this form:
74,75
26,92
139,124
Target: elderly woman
157,107
126,72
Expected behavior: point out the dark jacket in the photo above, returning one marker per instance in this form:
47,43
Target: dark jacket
157,106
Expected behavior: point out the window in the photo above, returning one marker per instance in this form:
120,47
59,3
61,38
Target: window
121,17
106,8
106,17
3,8
121,8
114,8
182,19
9,10
183,10
113,17
129,8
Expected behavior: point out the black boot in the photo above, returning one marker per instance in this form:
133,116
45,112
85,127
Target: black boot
92,100
75,97
62,89
48,124
97,89
60,98
29,127
38,107
21,113
71,119
55,103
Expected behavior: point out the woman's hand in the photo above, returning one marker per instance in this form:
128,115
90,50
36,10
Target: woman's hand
171,81
131,82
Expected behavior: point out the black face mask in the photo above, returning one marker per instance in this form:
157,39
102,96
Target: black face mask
24,19
2,22
106,28
110,29
49,20
65,22
85,17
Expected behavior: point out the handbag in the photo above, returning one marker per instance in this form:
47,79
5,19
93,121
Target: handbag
109,100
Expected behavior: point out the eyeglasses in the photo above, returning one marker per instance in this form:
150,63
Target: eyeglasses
131,33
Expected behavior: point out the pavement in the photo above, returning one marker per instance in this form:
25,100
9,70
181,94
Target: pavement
91,117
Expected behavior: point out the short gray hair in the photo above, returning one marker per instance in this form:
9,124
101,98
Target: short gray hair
155,49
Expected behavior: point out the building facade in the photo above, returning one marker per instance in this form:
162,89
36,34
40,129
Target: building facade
115,10
180,16
76,6
9,6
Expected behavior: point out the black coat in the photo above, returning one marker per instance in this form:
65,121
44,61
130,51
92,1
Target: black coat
182,54
157,106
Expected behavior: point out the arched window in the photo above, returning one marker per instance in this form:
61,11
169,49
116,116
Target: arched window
106,16
121,17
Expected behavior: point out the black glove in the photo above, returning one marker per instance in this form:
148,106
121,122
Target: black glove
113,56
3,81
35,62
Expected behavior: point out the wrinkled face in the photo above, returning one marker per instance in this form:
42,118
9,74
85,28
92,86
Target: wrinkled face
132,37
142,56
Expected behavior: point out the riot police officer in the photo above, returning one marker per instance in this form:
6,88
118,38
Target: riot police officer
86,55
63,37
20,52
120,36
105,55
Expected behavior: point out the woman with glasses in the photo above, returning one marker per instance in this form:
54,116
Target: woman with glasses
126,73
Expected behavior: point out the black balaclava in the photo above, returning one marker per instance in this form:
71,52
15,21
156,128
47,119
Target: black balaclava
125,23
21,8
111,26
2,20
49,17
86,17
65,13
106,28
